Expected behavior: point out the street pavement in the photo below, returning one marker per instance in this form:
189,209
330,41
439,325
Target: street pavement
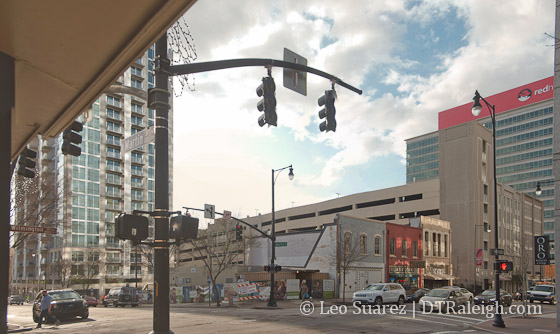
288,317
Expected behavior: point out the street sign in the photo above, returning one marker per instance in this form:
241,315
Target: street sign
138,139
295,80
281,244
227,214
496,251
209,211
33,229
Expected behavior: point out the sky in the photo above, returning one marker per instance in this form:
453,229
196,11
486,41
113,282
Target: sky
412,59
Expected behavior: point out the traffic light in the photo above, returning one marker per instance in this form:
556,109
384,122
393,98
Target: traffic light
277,268
268,103
267,268
328,112
26,163
238,232
504,266
71,139
131,227
183,228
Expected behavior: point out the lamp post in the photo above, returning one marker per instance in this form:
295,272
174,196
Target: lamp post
538,191
476,108
475,249
272,269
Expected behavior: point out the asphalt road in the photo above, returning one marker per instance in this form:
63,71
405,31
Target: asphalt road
256,318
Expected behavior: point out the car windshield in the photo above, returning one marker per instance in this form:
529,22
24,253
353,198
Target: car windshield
61,295
544,288
440,293
489,293
374,287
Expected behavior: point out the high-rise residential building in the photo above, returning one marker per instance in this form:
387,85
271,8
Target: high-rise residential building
524,140
98,185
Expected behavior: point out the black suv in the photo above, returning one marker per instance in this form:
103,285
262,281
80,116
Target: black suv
121,297
65,303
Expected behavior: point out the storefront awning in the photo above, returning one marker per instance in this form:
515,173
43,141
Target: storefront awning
440,277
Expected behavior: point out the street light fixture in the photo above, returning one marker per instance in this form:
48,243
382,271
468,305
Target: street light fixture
271,301
538,191
476,109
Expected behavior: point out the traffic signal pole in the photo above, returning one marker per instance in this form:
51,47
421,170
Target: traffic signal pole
160,103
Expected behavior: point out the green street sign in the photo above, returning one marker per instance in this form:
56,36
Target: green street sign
281,244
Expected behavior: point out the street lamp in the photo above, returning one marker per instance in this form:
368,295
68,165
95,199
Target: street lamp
538,191
272,268
488,230
476,108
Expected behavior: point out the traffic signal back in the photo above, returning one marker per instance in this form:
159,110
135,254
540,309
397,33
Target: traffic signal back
27,163
71,139
183,228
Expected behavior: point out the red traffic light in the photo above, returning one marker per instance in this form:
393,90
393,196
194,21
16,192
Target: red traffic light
503,266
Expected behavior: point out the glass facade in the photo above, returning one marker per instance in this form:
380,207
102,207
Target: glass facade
422,158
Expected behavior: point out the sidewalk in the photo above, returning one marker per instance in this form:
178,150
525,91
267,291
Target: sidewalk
545,323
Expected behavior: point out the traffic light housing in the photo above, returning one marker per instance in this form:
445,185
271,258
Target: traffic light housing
268,102
183,228
238,232
267,268
503,266
26,163
277,268
328,112
131,227
71,139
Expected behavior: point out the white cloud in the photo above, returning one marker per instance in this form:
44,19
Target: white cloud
504,46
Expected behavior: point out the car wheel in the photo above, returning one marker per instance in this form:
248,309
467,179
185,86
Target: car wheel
400,301
115,304
35,317
85,315
530,301
378,301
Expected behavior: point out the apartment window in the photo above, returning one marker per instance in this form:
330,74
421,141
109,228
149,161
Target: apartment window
114,114
113,101
363,243
113,269
445,246
392,246
113,140
77,256
136,71
115,127
78,226
136,157
485,264
137,120
439,244
434,244
135,257
93,215
377,244
113,257
110,229
426,243
486,245
404,248
78,240
415,249
79,200
137,108
136,83
78,213
92,241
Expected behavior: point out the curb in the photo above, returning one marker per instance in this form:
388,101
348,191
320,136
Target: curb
18,329
482,329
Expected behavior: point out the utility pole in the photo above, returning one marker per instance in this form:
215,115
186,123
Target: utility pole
161,252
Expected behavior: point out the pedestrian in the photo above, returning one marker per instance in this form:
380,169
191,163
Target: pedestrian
46,310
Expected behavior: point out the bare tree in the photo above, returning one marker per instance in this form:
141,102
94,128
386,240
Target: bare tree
348,253
61,270
86,267
219,249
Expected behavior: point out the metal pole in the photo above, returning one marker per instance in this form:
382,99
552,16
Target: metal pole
498,321
7,94
136,269
161,252
271,301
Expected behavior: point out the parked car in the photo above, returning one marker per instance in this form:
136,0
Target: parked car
469,295
543,293
16,299
122,296
65,303
442,300
489,297
416,295
380,293
91,301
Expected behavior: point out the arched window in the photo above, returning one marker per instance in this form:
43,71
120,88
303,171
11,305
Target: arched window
363,243
377,245
347,241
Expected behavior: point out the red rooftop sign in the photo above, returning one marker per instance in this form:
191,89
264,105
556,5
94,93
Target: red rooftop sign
514,98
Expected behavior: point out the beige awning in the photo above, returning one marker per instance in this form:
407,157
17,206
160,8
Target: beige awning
68,52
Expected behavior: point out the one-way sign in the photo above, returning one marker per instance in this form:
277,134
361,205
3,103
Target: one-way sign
138,139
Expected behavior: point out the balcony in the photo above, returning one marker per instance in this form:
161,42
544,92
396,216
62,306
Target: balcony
113,260
114,180
114,141
114,155
116,245
114,206
137,184
115,129
137,172
137,197
113,193
114,168
137,160
137,122
114,116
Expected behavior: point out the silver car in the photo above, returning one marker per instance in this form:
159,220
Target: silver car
441,300
380,293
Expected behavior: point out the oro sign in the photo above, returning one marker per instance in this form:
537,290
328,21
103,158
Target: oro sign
542,249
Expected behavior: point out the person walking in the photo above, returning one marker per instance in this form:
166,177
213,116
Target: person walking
46,310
